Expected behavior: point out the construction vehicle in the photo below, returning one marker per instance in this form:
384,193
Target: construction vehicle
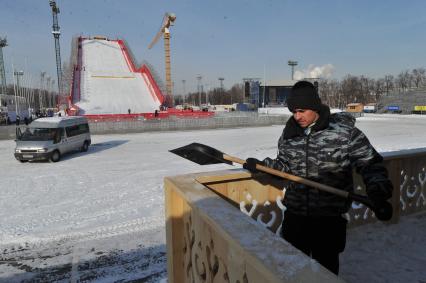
168,21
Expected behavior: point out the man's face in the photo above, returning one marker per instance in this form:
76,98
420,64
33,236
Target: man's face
305,117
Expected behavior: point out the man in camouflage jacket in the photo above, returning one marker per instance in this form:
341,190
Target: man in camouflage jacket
324,148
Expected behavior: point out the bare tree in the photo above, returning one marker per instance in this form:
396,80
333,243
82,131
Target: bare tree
351,89
330,93
389,83
403,80
418,77
366,89
216,96
379,88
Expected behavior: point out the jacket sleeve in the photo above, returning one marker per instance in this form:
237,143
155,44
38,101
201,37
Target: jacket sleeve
369,164
280,163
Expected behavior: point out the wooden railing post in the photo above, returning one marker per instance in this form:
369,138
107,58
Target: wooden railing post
174,235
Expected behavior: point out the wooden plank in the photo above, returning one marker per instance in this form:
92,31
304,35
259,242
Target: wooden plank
174,233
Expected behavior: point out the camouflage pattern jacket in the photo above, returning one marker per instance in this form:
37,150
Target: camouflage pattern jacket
327,155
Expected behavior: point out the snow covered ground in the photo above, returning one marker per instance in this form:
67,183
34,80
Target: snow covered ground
99,216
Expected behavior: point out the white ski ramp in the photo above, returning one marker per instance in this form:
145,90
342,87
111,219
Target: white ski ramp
109,83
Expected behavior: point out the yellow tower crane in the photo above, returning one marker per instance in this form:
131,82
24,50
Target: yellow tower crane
168,21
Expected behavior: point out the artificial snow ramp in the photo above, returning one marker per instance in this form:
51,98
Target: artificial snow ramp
106,81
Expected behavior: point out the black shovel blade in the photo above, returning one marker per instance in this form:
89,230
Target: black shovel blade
201,154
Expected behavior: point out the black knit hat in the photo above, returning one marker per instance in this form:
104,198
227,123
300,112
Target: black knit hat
303,96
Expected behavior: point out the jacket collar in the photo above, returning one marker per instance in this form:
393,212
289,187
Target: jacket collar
292,128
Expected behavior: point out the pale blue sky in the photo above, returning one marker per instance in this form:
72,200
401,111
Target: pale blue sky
230,39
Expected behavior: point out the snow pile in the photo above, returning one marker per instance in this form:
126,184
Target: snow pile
108,86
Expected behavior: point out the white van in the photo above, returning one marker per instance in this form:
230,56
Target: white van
49,138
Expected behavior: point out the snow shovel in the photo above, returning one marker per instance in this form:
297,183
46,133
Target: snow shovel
205,155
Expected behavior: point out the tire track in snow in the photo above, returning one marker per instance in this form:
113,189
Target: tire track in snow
19,248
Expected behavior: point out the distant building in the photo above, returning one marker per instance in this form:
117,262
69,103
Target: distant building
275,93
370,108
355,107
252,91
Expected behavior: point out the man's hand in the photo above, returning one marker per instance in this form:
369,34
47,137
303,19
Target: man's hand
382,208
251,164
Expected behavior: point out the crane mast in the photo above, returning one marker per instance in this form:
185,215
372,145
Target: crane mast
3,43
56,33
168,21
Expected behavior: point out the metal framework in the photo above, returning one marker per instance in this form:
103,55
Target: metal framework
3,43
56,33
250,81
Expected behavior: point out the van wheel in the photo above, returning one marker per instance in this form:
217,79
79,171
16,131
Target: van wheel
56,156
85,146
23,160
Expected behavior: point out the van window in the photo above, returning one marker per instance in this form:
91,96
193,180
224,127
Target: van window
77,130
72,130
37,134
84,128
59,135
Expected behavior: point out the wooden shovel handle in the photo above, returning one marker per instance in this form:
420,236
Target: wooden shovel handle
290,177
383,212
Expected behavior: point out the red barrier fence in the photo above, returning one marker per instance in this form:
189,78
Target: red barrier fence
150,116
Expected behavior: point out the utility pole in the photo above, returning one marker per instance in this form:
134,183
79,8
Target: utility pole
56,33
292,64
207,93
17,74
40,91
48,83
52,96
3,43
264,85
199,77
221,89
184,91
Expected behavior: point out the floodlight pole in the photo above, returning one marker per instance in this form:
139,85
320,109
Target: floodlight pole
184,92
292,64
199,77
17,74
221,88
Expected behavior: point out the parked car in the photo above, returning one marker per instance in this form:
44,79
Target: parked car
51,137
